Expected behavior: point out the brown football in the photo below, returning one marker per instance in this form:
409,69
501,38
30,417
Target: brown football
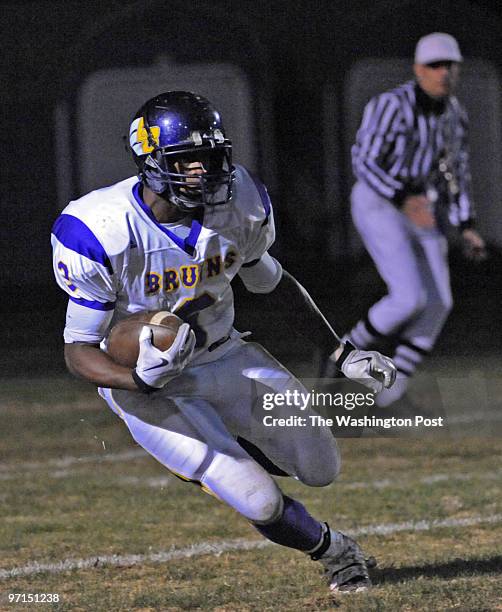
123,340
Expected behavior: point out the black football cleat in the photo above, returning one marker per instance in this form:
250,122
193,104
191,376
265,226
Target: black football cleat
346,571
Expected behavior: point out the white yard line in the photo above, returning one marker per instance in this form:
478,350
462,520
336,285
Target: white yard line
154,482
217,548
386,483
64,462
474,417
425,525
63,470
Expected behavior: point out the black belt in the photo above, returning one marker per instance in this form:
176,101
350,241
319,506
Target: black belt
218,343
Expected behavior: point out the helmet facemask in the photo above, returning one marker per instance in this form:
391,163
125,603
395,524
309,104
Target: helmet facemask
191,177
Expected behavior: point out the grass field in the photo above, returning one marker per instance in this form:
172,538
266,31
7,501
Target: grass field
87,515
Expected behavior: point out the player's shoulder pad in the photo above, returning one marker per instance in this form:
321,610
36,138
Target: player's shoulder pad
251,195
96,225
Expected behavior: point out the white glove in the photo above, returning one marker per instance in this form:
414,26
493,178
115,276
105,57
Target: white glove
369,368
155,368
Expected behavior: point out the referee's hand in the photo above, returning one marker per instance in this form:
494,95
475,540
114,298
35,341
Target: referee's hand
420,211
474,245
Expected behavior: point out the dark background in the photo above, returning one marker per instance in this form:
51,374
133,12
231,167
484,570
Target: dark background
287,50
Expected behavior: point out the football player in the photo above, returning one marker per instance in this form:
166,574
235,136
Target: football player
173,239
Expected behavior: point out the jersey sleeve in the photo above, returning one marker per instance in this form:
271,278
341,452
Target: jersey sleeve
86,324
462,213
375,141
82,268
263,235
262,276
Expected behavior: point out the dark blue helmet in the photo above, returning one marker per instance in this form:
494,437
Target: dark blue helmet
171,135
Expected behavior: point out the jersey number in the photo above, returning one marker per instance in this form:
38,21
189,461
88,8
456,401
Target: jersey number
189,312
63,268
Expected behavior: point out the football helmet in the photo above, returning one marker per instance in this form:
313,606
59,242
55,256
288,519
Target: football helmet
178,143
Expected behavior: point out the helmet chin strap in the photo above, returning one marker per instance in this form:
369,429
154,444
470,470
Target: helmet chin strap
171,198
168,196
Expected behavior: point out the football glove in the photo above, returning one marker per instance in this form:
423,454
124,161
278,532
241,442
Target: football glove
155,368
369,368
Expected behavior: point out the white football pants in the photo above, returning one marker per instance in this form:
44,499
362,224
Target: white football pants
191,426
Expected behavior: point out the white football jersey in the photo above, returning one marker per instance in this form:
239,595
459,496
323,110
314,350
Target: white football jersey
114,258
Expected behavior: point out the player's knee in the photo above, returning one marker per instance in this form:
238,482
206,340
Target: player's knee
318,479
321,473
322,477
245,486
268,508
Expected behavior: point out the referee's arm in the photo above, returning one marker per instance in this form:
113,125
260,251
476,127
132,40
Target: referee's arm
375,139
466,210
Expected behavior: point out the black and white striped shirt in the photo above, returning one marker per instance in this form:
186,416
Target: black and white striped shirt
403,135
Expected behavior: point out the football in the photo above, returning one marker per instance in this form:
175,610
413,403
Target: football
123,341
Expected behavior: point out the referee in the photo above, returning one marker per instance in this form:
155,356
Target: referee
411,162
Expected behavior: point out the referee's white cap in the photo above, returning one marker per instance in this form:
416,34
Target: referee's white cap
437,47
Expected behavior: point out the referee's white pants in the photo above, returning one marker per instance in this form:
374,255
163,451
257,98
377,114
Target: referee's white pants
413,263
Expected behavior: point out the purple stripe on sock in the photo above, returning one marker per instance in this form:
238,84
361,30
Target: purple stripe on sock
295,529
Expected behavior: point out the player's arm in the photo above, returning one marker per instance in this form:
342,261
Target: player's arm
153,370
87,323
85,327
89,362
282,292
84,271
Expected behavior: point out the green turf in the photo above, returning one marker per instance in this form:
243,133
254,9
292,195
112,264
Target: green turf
96,507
